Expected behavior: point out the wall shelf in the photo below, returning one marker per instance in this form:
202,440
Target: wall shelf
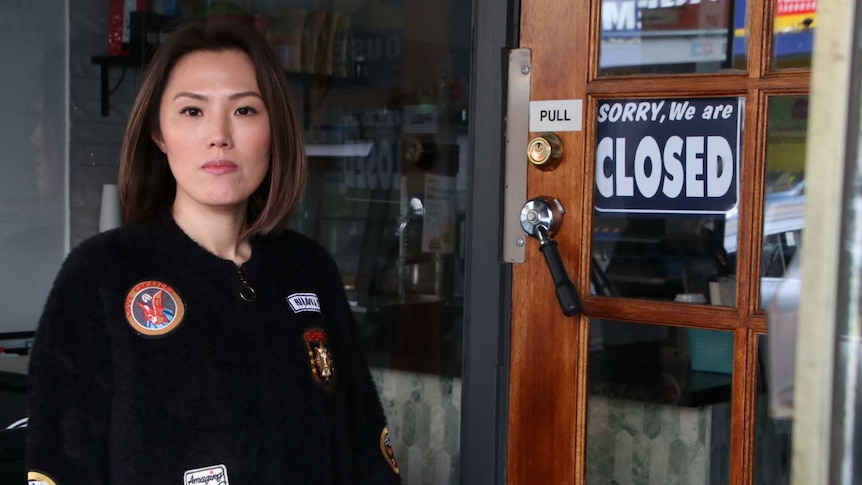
105,63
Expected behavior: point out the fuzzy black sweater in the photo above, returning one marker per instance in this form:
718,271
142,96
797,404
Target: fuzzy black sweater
149,368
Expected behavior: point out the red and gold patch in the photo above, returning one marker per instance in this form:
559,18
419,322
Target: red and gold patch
388,452
319,356
153,308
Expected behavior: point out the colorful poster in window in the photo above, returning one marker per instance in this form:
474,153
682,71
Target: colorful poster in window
795,15
668,155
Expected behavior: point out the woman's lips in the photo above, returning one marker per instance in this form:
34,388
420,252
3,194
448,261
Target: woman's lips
219,167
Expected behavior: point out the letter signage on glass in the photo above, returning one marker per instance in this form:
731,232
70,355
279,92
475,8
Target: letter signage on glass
668,155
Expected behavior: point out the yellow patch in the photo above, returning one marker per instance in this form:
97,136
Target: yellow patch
386,449
36,478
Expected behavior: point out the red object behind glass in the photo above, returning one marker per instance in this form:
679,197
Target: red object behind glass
118,24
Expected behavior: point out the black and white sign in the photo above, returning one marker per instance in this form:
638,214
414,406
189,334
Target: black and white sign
668,155
556,115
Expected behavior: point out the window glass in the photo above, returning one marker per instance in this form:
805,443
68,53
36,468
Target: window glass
783,218
33,134
666,199
772,437
668,36
383,88
793,33
659,404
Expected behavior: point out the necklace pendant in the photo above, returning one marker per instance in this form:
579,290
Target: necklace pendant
247,293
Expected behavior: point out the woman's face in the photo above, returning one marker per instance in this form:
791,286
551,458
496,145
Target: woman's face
214,129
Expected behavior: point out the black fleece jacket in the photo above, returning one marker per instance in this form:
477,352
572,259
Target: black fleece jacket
149,368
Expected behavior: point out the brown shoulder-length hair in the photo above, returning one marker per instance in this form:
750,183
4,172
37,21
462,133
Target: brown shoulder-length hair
146,185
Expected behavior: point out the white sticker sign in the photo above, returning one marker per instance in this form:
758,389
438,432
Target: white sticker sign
557,115
420,118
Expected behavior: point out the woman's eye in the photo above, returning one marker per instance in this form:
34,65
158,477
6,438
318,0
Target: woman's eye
190,111
245,111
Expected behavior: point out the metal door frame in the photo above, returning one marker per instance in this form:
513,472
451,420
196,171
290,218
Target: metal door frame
488,298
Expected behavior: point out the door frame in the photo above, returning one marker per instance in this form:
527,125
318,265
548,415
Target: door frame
488,281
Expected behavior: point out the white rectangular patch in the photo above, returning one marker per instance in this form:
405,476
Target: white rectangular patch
210,475
304,302
556,115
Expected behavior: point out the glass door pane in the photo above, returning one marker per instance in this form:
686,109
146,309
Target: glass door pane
666,199
659,404
772,436
793,33
783,219
664,37
383,88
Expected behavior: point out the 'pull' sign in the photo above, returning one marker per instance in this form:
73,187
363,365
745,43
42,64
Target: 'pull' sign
556,115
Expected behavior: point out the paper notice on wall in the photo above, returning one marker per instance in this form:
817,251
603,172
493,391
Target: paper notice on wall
438,228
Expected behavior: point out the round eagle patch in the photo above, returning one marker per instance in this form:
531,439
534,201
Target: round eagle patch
154,308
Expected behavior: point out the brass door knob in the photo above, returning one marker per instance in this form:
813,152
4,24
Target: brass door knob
545,151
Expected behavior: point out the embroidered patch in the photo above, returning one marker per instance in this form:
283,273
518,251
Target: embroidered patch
386,449
319,357
36,478
304,302
210,475
153,308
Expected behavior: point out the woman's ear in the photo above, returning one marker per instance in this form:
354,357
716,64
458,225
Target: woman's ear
158,140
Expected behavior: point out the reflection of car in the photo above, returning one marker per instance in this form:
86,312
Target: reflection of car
658,257
783,221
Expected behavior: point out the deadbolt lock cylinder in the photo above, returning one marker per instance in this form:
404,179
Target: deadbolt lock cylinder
545,151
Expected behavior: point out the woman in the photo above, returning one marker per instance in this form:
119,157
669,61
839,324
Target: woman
200,342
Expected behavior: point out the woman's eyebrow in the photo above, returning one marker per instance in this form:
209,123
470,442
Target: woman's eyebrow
245,94
201,97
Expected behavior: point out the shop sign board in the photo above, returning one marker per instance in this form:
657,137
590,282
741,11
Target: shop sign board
795,15
670,155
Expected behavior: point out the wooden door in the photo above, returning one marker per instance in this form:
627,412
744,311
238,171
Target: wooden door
640,388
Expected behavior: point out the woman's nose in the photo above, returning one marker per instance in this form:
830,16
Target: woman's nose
220,135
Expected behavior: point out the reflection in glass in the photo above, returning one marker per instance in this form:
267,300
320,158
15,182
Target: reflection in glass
386,139
664,258
659,407
793,33
784,189
771,437
659,37
384,91
34,136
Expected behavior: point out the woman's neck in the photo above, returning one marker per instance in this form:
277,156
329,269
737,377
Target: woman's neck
218,232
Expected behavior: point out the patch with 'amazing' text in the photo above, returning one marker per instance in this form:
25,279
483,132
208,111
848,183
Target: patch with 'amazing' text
208,475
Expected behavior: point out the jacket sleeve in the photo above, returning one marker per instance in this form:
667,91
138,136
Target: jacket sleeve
70,383
373,460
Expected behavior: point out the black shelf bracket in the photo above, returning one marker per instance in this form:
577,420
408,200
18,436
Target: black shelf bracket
105,63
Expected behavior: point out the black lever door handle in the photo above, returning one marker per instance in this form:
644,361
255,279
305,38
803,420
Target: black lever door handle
567,295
